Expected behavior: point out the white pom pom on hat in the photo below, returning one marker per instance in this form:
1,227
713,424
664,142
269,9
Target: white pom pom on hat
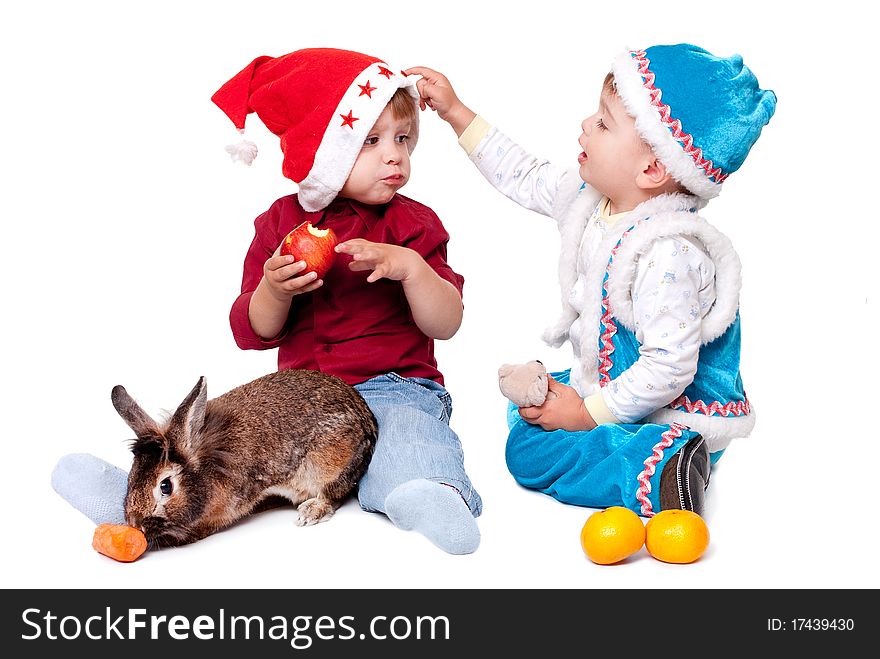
244,151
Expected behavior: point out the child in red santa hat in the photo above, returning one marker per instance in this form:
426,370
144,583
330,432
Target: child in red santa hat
347,123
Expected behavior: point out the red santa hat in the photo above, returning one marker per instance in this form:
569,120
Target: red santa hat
322,103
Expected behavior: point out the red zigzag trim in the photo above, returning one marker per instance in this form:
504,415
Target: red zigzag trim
608,324
644,478
740,408
685,139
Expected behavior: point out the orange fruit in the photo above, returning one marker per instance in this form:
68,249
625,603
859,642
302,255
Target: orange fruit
676,536
612,534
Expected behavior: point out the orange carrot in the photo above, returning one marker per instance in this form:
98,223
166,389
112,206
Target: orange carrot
119,541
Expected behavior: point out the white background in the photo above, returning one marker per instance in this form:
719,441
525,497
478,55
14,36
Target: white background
124,227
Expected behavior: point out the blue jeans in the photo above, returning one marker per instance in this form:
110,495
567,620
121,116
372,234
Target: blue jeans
415,440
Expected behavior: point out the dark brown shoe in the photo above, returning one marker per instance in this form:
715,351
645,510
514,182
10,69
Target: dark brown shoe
685,477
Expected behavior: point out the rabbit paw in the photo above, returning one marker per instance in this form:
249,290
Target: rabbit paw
314,510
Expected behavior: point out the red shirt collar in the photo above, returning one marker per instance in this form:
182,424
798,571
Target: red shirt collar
369,213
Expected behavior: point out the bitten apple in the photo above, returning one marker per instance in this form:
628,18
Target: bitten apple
314,246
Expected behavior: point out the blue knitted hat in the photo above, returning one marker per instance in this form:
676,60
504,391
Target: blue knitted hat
700,113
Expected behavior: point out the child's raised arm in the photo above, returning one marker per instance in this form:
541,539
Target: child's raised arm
533,183
435,92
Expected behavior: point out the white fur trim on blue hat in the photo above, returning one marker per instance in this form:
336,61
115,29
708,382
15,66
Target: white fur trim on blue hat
344,138
656,127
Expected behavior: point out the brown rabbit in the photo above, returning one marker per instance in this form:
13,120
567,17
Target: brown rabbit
298,434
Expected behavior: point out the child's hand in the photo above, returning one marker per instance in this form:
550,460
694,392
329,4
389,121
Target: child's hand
388,261
436,92
563,409
280,276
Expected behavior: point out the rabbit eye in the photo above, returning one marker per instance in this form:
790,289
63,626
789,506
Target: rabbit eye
165,487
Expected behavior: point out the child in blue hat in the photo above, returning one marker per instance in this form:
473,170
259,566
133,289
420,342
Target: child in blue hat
650,289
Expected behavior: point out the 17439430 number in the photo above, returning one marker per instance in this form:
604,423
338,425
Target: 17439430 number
810,624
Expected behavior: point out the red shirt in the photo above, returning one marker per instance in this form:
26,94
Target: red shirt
347,327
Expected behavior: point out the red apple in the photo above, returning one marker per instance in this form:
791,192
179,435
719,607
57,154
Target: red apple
314,246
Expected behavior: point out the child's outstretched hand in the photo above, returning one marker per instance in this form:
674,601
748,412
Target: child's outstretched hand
388,261
435,92
563,409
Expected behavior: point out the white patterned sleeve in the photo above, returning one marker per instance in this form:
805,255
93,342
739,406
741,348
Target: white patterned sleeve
673,290
529,181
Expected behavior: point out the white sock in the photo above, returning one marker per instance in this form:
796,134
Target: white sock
436,511
94,487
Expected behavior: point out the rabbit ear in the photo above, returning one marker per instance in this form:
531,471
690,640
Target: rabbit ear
190,415
138,420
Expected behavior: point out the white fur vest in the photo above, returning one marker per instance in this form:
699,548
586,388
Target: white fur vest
581,278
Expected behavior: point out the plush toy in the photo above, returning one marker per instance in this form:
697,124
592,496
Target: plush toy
524,384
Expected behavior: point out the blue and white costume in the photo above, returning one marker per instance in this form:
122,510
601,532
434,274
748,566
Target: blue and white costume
650,298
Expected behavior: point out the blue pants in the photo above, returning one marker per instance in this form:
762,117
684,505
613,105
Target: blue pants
415,440
596,468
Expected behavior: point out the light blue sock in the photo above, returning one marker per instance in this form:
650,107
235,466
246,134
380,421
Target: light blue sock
94,487
437,512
